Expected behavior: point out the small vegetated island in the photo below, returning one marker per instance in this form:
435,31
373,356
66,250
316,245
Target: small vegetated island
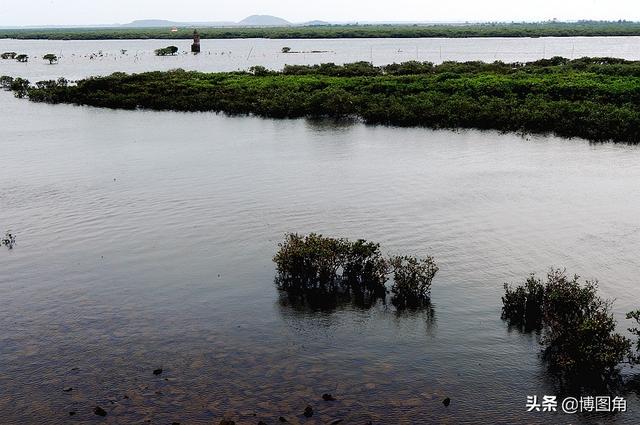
523,29
594,98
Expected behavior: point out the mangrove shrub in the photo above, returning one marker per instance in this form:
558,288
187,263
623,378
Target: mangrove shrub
315,265
577,327
50,57
166,51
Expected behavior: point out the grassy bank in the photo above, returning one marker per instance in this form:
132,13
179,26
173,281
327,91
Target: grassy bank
596,99
543,29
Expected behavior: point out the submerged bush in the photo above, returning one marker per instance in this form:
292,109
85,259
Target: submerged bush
8,240
318,266
577,327
635,315
412,280
5,82
166,51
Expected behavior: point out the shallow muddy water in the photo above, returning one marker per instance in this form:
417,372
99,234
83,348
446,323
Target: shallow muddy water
144,240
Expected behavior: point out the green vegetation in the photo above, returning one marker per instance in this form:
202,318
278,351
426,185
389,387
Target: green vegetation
635,315
315,266
166,51
51,58
540,29
9,55
412,280
577,327
22,58
593,98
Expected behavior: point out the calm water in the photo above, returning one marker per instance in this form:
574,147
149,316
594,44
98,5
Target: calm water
145,240
230,55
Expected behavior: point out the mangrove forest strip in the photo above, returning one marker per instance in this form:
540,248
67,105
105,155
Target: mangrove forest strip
592,98
541,29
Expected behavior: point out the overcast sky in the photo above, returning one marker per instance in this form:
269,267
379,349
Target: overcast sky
67,12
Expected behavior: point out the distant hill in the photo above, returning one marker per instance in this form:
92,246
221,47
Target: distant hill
316,23
264,21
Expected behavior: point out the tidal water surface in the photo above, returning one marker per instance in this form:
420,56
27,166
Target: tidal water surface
144,241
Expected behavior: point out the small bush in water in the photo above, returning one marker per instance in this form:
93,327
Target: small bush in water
412,280
578,329
8,240
315,265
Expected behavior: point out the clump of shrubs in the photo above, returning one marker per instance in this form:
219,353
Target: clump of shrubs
576,325
9,240
166,51
314,266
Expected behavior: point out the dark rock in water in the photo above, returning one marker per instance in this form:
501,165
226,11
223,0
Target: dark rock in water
337,421
100,411
281,419
157,372
262,423
227,422
446,402
72,413
68,390
175,423
328,397
308,411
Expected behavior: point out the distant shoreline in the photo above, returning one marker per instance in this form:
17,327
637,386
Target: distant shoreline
506,30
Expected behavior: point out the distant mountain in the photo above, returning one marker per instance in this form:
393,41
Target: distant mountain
316,23
264,21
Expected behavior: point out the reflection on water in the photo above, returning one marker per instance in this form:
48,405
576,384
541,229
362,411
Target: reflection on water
144,240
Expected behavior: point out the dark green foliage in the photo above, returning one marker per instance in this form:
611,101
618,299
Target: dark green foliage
310,262
539,29
315,266
19,86
22,58
9,55
578,329
166,51
593,98
635,315
522,306
50,57
364,268
412,280
5,82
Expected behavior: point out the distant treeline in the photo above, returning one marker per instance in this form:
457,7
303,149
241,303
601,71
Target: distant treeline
542,29
594,98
